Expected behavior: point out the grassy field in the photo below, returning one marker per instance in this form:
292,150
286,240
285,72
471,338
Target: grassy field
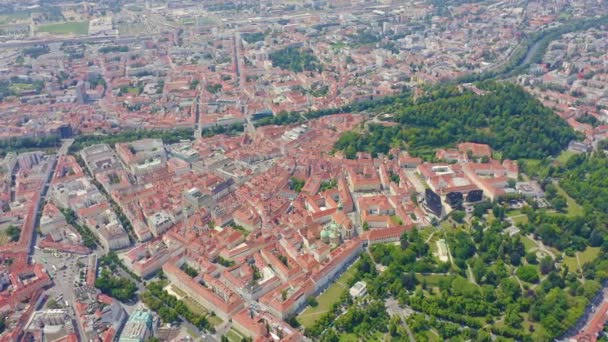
528,243
354,338
309,316
201,310
348,338
432,335
513,212
234,336
520,219
574,209
70,27
202,21
4,238
564,156
431,235
588,255
22,87
532,166
134,8
193,305
131,28
17,16
497,155
431,279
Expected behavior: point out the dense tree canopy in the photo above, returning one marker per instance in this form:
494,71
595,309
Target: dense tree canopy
586,180
295,59
120,288
507,118
168,137
169,308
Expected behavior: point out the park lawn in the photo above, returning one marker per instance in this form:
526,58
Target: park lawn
532,166
528,243
564,156
310,315
207,20
191,333
375,337
396,220
497,155
521,219
489,216
234,336
426,232
4,238
531,246
571,263
432,335
134,8
177,291
431,279
198,309
22,87
513,212
588,255
574,209
338,46
539,330
188,21
348,338
133,90
70,27
448,226
131,28
17,16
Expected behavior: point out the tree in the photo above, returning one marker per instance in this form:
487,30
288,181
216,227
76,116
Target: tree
445,116
515,259
596,238
213,88
546,265
512,317
559,203
296,184
330,336
404,242
295,59
528,274
458,216
120,288
13,232
531,258
409,281
52,304
194,84
312,301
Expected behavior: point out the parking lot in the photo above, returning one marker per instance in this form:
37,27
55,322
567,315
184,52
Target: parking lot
67,270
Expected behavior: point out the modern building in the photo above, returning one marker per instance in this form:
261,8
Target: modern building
138,328
358,290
